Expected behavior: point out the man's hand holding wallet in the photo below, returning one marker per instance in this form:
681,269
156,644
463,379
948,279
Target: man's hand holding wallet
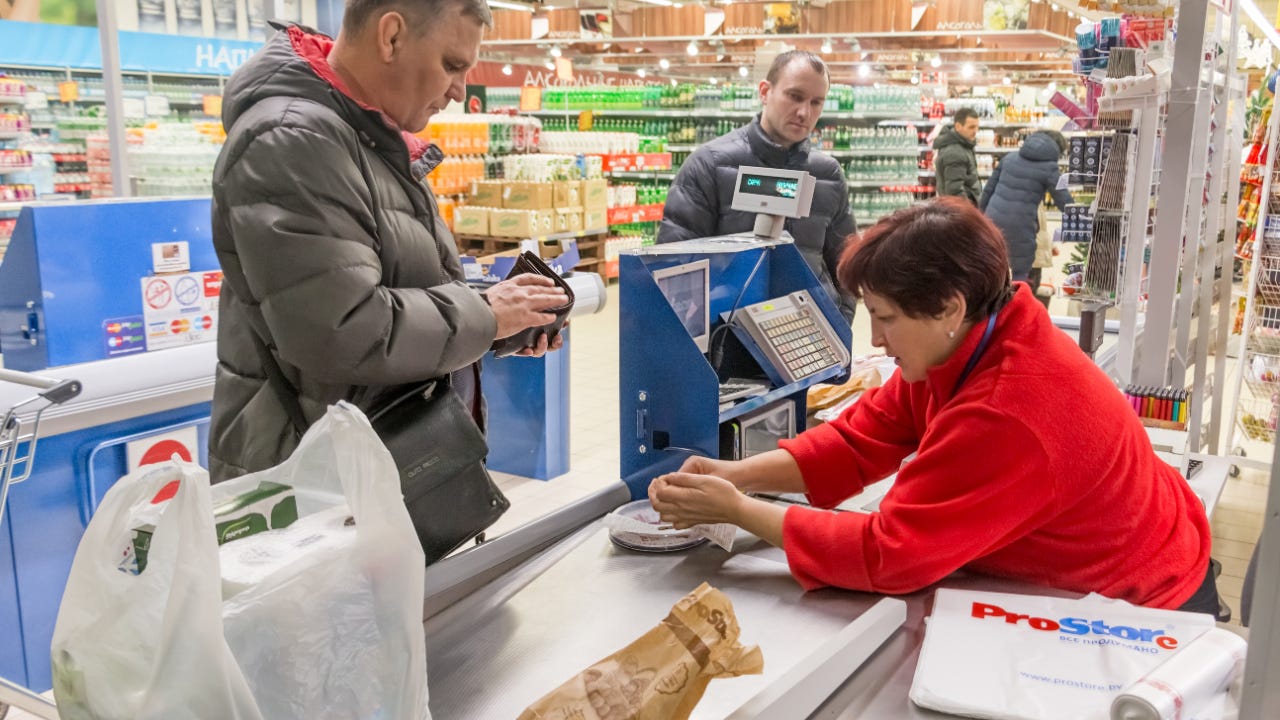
531,306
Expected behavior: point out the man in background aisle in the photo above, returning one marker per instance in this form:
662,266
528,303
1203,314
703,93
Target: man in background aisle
792,96
954,161
340,276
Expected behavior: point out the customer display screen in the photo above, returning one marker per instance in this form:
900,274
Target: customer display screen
770,186
687,293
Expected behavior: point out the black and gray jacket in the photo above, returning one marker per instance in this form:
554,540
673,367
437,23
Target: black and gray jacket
955,165
332,251
698,204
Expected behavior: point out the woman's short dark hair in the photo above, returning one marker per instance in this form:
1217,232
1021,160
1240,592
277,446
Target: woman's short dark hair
921,256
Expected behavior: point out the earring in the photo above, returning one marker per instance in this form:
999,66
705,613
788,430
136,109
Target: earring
951,334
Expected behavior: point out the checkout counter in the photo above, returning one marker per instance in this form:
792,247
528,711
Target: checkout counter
122,295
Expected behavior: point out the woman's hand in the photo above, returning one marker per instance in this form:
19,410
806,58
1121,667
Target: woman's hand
685,499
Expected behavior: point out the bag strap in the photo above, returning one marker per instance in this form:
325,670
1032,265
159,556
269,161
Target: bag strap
284,390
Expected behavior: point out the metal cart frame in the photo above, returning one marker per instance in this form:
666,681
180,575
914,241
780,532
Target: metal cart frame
19,431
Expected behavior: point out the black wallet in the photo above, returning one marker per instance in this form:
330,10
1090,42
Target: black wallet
529,262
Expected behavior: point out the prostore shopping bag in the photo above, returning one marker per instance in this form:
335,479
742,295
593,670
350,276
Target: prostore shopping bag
1029,657
320,620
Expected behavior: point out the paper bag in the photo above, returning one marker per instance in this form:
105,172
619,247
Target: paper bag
663,674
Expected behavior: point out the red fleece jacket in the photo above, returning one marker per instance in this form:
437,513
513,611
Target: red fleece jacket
1036,469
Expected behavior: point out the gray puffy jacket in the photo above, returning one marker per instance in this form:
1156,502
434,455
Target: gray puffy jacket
1014,193
955,165
332,251
698,204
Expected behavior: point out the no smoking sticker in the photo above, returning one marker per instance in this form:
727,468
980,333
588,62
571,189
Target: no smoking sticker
157,293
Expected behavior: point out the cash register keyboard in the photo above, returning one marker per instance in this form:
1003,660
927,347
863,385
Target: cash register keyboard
795,336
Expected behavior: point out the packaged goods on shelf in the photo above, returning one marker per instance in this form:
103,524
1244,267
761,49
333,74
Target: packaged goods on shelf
869,207
12,89
17,192
885,99
599,143
13,123
881,168
844,137
545,167
14,159
483,133
172,159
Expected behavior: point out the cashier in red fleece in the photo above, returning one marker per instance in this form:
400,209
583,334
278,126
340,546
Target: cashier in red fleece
1030,463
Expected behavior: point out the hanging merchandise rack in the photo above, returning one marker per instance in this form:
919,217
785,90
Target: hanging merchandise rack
1254,401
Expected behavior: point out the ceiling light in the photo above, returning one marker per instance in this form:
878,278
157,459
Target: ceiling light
509,6
714,81
673,82
864,70
641,73
826,46
966,70
556,51
665,64
1007,80
915,78
936,61
692,49
743,71
506,69
550,65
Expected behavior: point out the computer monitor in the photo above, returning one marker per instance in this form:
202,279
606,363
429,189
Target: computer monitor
687,289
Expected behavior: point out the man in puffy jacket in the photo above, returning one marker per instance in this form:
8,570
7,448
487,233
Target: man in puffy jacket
698,204
954,162
338,269
1016,190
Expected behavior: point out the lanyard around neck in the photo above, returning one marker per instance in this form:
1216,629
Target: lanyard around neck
977,353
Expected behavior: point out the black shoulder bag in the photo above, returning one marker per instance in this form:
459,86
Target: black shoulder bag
439,451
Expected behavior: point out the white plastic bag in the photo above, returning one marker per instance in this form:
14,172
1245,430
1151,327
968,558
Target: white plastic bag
336,634
1029,657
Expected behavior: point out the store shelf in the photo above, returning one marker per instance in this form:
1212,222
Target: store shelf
10,207
873,152
540,238
912,181
681,148
982,123
12,100
15,169
636,161
706,113
11,135
635,214
993,149
642,174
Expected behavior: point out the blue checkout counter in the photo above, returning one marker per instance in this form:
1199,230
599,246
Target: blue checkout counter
669,404
80,297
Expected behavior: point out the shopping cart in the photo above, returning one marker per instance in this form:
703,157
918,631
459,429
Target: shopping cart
19,430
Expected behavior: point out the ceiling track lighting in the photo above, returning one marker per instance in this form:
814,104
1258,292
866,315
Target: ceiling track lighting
506,69
743,71
692,49
641,73
665,64
510,6
556,51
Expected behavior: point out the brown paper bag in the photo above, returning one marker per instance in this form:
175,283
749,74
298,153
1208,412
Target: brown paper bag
663,674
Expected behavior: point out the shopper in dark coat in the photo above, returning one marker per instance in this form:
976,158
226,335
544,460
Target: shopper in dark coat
1013,195
698,204
954,163
332,246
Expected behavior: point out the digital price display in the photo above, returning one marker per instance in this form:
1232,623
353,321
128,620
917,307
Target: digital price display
770,186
